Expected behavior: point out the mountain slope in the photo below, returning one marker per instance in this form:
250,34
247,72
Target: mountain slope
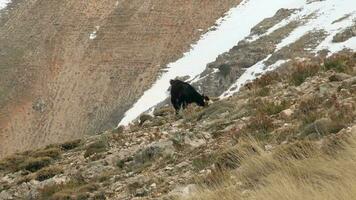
281,31
237,148
72,68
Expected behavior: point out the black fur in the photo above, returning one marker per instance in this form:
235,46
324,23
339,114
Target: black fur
183,93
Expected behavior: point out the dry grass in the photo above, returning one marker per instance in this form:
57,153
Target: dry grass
301,71
30,160
96,147
74,189
48,172
299,170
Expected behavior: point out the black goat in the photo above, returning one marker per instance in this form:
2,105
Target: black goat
183,93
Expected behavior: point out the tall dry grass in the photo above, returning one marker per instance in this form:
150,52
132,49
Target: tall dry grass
299,171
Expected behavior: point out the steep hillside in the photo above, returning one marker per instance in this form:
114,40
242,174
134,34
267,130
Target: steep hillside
288,135
238,51
72,68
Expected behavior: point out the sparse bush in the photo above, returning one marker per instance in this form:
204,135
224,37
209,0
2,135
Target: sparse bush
12,163
203,161
96,147
53,152
35,164
270,107
262,92
30,160
224,69
307,110
301,71
340,63
231,158
265,80
48,172
259,126
70,144
213,111
74,189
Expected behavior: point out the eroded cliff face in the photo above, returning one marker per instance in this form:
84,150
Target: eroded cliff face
71,68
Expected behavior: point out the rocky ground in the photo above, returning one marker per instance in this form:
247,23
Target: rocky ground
166,156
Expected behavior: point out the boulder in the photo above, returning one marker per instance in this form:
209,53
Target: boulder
144,118
339,77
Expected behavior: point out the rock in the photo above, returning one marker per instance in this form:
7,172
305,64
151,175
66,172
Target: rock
141,192
144,118
350,81
183,191
153,151
268,147
194,142
164,111
6,195
39,105
345,34
339,77
325,89
287,113
321,127
153,185
118,130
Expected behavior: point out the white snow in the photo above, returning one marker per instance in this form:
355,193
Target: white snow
3,3
92,35
231,29
322,15
250,74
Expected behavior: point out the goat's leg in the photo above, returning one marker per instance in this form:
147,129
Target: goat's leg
184,105
176,105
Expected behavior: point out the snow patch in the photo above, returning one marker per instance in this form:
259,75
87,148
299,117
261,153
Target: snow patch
251,74
92,35
319,16
231,29
3,3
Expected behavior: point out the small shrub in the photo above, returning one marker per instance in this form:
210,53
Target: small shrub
260,125
301,71
12,163
271,107
53,152
322,127
203,161
74,189
213,179
25,179
48,172
96,147
120,163
70,144
340,63
265,80
229,159
224,69
35,164
307,110
262,92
